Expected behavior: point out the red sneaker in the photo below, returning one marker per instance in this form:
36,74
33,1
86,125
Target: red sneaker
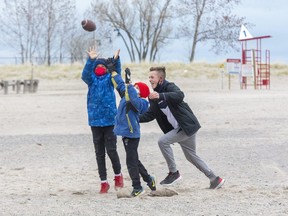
119,183
104,187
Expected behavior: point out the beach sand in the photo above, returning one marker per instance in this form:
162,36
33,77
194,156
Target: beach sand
48,165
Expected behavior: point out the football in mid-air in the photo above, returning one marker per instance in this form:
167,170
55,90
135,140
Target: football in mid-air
88,25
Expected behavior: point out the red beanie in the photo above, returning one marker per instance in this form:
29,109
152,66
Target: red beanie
143,88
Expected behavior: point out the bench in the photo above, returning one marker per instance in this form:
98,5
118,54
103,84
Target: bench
28,86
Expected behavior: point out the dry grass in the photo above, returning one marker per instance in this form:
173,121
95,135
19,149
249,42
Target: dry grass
139,71
63,71
279,69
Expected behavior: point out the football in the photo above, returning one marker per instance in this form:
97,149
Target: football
88,25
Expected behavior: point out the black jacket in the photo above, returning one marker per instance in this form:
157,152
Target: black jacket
173,96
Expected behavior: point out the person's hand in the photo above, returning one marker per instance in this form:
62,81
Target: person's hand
92,53
116,54
111,65
112,62
127,76
154,95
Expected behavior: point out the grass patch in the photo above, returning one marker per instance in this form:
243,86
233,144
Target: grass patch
139,71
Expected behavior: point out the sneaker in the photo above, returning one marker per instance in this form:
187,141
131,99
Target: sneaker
119,183
104,187
171,178
137,192
152,183
217,183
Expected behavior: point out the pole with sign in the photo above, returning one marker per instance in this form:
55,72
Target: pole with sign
233,66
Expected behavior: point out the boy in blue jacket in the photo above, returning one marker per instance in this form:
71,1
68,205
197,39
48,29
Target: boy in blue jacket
132,104
101,107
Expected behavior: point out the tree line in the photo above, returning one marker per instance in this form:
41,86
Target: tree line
49,29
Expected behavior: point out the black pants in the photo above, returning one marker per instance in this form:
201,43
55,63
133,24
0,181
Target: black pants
134,165
105,141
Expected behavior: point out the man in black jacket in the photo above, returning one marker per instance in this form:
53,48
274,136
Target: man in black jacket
179,124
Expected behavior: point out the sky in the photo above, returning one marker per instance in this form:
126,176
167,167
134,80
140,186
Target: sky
269,17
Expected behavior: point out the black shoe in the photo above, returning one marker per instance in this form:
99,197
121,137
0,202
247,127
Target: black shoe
217,183
152,183
137,192
171,178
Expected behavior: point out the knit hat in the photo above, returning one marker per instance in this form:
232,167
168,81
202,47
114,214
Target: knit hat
143,88
101,61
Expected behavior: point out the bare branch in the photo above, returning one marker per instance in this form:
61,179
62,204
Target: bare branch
209,20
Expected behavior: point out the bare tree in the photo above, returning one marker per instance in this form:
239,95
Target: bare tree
209,20
20,27
78,40
38,29
143,25
67,29
77,45
56,13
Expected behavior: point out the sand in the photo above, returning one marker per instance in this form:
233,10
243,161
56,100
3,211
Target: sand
48,166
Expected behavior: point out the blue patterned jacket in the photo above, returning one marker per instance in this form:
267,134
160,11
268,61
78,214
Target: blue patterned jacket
101,100
129,109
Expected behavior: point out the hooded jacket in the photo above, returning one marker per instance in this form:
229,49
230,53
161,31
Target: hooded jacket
173,96
129,109
101,100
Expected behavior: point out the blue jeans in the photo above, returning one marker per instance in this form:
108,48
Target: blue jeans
105,141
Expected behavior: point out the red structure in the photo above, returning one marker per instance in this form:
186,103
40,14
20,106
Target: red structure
260,63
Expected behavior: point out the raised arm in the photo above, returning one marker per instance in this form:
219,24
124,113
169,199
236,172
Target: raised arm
87,71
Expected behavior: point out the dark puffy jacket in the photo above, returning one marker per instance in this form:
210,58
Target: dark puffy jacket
173,96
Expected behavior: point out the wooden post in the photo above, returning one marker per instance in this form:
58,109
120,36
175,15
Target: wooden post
30,85
222,79
18,83
25,87
6,83
35,85
13,85
229,80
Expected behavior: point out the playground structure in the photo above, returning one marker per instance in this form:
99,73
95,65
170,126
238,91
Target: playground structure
255,63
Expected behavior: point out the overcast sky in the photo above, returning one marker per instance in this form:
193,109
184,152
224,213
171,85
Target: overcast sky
268,16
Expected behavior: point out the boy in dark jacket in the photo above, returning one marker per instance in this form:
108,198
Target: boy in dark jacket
132,104
101,107
179,124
